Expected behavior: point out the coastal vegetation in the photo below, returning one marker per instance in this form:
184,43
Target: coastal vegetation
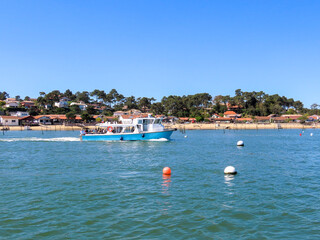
199,106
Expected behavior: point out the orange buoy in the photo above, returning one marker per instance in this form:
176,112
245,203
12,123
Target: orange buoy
166,171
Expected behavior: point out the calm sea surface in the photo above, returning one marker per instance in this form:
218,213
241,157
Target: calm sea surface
53,186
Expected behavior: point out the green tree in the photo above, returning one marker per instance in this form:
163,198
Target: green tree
83,96
75,108
85,117
68,94
157,108
4,95
71,115
91,110
131,102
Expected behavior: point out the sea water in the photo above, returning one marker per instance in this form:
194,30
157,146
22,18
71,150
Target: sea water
54,186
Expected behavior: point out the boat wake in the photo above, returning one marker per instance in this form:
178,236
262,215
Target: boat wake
35,139
159,140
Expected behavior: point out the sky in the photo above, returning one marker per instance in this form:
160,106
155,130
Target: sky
161,48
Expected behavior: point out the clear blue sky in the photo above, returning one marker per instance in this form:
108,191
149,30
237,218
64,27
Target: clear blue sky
158,48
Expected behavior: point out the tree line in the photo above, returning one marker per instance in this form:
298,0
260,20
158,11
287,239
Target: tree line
201,105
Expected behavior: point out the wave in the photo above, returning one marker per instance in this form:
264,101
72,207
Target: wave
35,139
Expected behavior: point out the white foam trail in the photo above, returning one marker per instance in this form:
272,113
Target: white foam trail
159,140
35,139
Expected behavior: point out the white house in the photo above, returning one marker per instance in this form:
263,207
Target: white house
9,120
42,119
63,103
12,104
215,116
81,105
19,114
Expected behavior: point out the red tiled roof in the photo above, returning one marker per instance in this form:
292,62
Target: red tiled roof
293,117
243,119
27,117
10,117
39,116
279,118
262,118
230,113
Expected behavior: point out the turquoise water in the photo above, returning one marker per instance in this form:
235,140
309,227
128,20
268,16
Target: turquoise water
55,187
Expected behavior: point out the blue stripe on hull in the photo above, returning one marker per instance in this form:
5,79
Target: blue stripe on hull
127,137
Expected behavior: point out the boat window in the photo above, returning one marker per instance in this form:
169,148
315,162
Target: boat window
118,129
157,121
140,121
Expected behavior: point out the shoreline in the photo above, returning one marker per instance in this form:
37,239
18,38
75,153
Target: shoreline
241,126
190,126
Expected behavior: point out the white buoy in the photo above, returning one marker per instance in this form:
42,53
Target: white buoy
230,170
311,134
240,143
185,136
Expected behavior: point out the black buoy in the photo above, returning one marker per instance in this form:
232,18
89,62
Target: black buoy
143,135
121,138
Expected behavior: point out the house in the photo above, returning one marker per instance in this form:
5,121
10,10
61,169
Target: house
215,115
313,118
27,104
27,121
243,120
223,119
262,119
170,119
294,118
233,107
231,114
119,113
183,119
19,114
81,105
9,120
43,120
193,120
11,103
63,103
48,106
134,112
279,119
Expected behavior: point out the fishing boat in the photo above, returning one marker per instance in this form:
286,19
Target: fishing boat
129,129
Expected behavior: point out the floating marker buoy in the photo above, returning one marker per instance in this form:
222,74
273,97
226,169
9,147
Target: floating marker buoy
311,134
300,134
166,171
240,143
185,136
230,170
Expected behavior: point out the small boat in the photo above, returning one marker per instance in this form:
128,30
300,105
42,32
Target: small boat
139,128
